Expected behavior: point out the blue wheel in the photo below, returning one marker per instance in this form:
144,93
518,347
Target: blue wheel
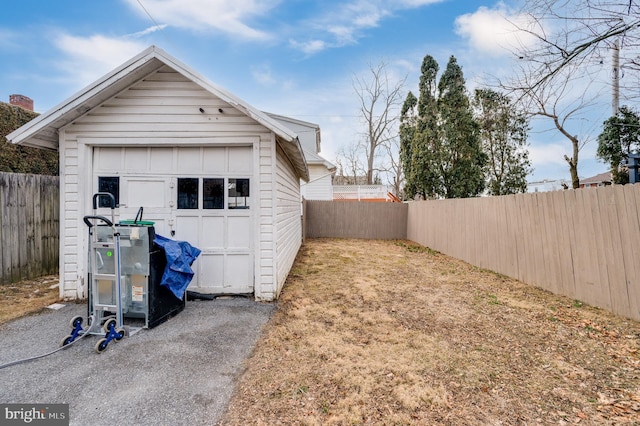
101,345
66,340
107,325
120,333
75,321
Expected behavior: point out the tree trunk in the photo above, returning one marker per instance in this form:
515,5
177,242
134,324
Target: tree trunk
573,171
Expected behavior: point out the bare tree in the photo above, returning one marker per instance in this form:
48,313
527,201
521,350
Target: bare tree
563,98
560,73
572,32
395,165
349,164
379,101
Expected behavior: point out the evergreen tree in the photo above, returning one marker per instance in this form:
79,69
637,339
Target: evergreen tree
427,153
503,134
408,115
441,151
620,137
462,161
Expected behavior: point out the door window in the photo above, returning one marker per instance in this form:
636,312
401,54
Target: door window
213,193
187,193
110,184
238,193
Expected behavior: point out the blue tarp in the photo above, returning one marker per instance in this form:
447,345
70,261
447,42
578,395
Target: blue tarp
180,256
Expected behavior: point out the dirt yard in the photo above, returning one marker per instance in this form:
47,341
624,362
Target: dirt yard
373,332
28,296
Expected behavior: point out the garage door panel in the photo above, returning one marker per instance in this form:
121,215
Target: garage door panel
214,160
239,271
135,159
187,229
147,193
108,158
161,160
239,229
240,159
189,160
213,232
210,272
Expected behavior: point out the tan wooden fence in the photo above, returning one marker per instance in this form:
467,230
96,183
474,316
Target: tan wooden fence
584,244
355,219
29,216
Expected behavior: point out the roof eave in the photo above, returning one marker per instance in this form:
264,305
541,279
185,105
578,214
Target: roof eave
294,152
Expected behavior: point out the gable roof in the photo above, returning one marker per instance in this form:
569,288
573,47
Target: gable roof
599,178
42,132
311,153
310,127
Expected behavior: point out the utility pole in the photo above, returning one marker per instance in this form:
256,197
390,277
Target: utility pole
615,104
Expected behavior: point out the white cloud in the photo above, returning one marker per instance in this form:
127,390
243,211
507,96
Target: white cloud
149,30
541,155
345,24
84,59
494,31
416,3
226,16
263,75
308,47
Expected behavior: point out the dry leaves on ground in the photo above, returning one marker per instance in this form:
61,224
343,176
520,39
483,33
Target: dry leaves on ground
28,296
380,332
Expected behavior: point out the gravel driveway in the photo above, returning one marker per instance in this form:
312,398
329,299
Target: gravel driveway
181,372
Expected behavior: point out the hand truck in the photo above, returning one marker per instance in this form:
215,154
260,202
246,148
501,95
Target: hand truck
105,292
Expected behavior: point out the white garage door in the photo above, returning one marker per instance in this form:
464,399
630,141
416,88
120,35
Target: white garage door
202,195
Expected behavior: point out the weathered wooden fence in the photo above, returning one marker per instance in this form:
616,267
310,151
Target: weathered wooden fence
355,219
29,216
584,244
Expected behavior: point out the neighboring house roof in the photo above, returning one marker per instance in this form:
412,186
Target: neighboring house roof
42,132
311,149
314,158
599,178
315,127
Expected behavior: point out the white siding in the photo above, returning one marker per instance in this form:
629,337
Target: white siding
288,226
164,105
319,185
162,109
265,268
73,231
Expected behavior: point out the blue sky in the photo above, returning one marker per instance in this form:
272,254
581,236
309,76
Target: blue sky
290,57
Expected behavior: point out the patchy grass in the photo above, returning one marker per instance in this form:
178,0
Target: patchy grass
374,332
26,297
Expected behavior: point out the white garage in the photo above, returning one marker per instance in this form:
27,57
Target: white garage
204,166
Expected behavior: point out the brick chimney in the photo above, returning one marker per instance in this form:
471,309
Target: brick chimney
21,101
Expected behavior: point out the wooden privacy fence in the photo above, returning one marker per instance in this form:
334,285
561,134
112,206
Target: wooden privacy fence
583,243
354,219
29,223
